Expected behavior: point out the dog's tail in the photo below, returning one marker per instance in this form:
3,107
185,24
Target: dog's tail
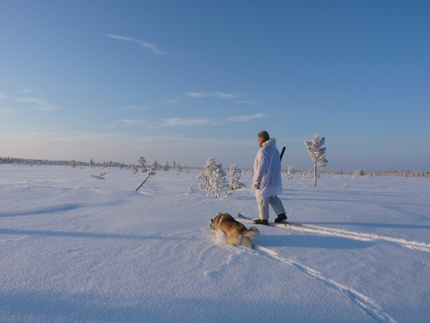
252,233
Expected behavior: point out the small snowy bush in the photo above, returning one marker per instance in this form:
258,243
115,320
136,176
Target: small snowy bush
99,176
234,176
290,173
213,179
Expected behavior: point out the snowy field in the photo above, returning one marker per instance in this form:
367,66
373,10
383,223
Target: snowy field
75,249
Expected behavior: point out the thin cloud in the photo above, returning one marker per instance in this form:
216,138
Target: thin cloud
152,47
245,102
131,123
144,123
5,110
188,122
220,95
3,95
247,118
41,104
136,108
110,126
170,101
27,91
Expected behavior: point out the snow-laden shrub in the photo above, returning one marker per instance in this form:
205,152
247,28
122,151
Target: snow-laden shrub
142,162
308,174
99,176
133,170
234,176
290,174
357,174
213,179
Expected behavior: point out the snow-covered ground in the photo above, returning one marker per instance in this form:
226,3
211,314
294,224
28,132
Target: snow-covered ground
73,248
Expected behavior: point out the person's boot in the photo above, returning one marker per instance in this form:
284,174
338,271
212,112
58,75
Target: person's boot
263,222
280,218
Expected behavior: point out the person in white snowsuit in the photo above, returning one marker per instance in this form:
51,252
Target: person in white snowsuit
267,183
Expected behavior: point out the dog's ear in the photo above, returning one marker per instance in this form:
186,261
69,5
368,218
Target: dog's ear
212,220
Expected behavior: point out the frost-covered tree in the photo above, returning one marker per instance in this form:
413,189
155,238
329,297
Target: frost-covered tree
142,162
290,173
317,153
133,170
156,165
234,176
357,174
176,166
213,178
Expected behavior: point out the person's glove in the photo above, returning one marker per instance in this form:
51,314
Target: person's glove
257,184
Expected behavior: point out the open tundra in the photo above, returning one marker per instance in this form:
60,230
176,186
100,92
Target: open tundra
74,248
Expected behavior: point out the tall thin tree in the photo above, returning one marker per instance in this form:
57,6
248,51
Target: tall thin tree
317,153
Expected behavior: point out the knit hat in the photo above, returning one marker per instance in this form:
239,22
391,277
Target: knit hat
264,134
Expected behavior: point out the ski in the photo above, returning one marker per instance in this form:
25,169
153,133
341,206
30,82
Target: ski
273,224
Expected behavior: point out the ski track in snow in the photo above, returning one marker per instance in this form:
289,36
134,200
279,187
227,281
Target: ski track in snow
352,235
358,236
366,304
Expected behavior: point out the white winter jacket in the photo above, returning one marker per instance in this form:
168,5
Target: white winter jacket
267,169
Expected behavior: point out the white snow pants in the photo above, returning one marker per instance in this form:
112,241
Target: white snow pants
263,206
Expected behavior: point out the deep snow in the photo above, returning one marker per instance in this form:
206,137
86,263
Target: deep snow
73,248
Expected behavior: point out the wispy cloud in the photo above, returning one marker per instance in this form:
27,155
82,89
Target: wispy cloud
189,122
27,91
247,118
41,104
3,109
220,95
3,96
110,126
245,102
186,122
6,110
170,101
144,123
136,108
152,47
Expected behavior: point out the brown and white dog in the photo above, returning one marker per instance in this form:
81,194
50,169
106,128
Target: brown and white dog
236,232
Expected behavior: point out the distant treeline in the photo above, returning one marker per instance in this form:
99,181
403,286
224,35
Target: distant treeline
73,163
359,173
91,163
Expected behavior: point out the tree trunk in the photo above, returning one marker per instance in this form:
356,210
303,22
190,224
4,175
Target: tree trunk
315,175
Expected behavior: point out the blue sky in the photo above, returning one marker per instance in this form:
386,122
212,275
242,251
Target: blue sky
188,80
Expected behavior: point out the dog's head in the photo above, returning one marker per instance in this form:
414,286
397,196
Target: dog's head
214,226
215,222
